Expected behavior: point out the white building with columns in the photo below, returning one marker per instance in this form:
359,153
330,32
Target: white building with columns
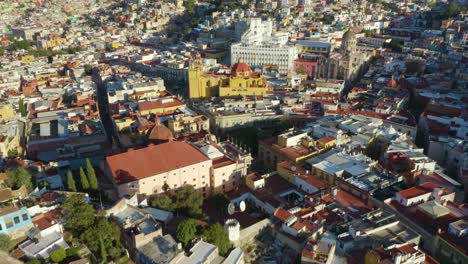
261,46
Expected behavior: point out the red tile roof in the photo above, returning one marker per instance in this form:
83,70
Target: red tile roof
282,214
138,164
418,190
161,103
46,220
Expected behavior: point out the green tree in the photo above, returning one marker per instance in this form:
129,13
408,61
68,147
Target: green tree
73,251
18,177
34,261
452,10
102,228
218,200
12,153
375,148
216,235
188,201
22,44
80,215
186,231
71,186
6,243
163,201
93,183
114,252
58,255
22,107
189,6
2,51
103,250
83,180
88,69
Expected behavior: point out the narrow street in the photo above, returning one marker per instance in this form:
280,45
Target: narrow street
103,106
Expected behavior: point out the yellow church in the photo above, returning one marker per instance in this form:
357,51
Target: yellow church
242,81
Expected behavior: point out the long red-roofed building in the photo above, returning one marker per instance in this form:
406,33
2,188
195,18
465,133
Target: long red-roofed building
422,193
147,170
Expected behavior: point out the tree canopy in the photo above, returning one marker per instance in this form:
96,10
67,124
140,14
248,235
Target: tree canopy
453,9
58,255
218,200
6,243
186,231
12,153
84,180
109,232
216,235
185,200
93,183
20,44
88,69
163,201
71,186
103,250
18,177
189,6
22,107
188,201
80,214
34,261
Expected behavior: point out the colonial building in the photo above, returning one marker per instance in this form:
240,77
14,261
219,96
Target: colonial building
206,165
241,81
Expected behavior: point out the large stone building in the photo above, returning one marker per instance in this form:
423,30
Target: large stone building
261,47
349,62
241,81
206,165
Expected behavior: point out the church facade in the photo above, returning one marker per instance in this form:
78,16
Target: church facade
240,82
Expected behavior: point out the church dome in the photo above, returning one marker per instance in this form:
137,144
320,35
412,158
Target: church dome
240,68
160,133
392,83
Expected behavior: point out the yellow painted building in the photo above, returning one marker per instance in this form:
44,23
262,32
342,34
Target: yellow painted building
7,111
8,144
242,81
123,123
27,59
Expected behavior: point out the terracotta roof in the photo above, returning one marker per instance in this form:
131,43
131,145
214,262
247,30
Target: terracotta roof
222,162
282,214
161,103
8,210
392,83
325,140
46,220
138,164
160,132
5,195
240,67
417,190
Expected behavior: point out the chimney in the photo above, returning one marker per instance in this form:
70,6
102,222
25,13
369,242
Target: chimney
334,192
398,258
436,192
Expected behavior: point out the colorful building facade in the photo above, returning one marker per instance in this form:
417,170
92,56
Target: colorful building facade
241,81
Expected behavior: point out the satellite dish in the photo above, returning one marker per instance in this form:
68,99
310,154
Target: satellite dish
242,206
231,209
293,168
